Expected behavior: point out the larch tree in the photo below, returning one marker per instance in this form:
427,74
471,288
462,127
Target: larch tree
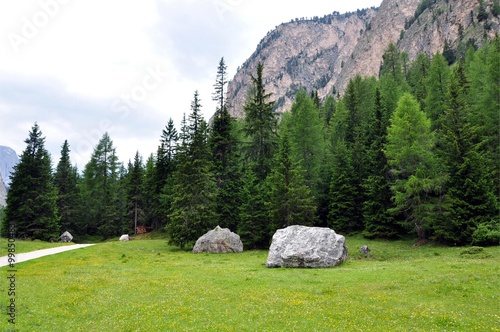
101,191
409,151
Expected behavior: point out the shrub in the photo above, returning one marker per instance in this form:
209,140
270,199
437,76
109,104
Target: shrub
487,234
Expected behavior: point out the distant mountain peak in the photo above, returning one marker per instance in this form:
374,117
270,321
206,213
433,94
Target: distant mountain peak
323,54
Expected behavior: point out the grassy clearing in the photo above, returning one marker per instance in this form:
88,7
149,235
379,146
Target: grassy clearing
144,285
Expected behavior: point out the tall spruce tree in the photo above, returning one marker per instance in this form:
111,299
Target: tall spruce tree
135,195
31,210
351,127
292,201
65,180
437,90
419,70
484,76
223,146
164,172
192,211
307,140
220,82
259,145
378,222
470,197
260,127
342,215
151,199
254,225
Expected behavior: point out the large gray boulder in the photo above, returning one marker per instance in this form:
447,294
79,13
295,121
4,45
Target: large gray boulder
302,246
66,237
218,241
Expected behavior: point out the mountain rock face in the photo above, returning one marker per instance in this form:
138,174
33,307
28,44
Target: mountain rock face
3,192
8,159
324,53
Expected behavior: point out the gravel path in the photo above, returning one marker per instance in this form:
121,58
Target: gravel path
40,253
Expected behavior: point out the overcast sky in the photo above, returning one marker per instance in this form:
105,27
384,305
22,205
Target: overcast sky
83,67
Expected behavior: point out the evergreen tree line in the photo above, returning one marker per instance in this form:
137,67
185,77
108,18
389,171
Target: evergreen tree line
412,153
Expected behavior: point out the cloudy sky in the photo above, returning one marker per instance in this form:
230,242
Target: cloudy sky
84,67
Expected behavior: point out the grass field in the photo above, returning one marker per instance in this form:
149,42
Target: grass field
26,246
145,285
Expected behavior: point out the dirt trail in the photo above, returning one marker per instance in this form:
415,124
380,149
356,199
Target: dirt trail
40,253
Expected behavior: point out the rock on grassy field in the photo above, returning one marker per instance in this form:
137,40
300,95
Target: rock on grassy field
146,285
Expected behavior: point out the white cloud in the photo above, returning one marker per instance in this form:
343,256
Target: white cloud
69,64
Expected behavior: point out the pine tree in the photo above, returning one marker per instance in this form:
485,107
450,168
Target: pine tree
220,81
65,180
378,222
342,216
135,196
448,52
192,211
437,89
470,197
254,226
419,71
413,165
292,202
328,109
151,199
307,140
260,127
392,66
101,191
356,113
223,146
164,170
32,198
484,77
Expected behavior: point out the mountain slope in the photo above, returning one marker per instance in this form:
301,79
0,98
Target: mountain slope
8,159
3,192
323,54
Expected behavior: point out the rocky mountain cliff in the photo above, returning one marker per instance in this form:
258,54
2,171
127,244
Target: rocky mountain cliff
8,159
3,192
324,53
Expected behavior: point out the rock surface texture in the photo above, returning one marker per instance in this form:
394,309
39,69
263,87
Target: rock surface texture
218,241
302,246
3,192
323,54
66,237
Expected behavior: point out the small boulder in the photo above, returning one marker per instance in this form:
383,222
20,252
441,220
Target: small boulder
364,250
218,241
302,246
125,237
66,237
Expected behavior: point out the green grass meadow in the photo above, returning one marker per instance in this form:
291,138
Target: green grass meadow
145,285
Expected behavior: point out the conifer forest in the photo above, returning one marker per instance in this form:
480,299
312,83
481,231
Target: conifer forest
412,153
